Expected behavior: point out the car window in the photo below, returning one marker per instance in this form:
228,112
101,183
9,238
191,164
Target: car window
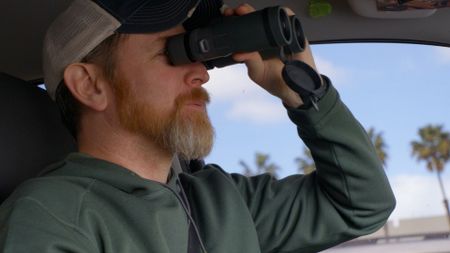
393,89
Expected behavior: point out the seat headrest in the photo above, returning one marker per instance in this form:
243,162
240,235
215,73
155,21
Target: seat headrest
32,134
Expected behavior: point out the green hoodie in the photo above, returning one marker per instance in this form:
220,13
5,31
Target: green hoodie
87,205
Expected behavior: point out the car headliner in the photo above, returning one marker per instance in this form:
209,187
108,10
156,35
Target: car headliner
23,24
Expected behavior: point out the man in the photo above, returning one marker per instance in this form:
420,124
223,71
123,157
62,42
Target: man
132,111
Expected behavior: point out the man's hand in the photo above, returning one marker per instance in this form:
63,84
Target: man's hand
267,73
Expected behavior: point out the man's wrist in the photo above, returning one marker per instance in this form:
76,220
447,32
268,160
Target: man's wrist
293,100
305,81
308,116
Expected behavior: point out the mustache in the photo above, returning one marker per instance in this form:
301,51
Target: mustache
196,94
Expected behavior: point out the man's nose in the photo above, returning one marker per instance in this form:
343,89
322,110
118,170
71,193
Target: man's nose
196,75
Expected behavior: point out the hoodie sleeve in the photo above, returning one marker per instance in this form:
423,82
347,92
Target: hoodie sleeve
346,197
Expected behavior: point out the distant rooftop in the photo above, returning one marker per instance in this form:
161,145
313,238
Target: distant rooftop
424,235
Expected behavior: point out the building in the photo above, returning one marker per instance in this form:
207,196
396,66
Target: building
424,235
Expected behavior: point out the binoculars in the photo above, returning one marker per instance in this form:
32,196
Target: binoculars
271,32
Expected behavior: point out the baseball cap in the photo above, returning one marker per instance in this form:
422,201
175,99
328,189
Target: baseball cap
86,23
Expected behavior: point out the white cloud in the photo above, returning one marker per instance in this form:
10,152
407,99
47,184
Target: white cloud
443,54
246,101
230,83
249,102
337,74
258,111
418,195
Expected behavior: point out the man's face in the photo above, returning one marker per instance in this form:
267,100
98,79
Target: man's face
160,102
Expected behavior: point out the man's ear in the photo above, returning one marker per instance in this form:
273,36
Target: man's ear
86,83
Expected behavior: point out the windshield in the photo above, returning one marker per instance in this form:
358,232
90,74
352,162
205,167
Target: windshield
393,90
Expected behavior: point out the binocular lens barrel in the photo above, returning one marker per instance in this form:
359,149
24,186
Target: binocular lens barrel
260,30
298,42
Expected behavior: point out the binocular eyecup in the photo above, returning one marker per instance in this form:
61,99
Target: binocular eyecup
270,31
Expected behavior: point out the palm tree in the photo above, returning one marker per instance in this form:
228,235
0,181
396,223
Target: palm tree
434,148
263,165
380,148
247,170
306,163
379,144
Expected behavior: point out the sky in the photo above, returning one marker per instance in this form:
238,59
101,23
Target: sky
395,88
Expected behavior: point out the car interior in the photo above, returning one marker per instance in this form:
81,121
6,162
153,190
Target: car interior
31,133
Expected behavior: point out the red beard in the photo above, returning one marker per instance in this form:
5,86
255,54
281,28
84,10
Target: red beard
188,133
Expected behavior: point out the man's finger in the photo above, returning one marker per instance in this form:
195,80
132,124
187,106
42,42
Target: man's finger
228,12
241,57
254,63
244,9
289,11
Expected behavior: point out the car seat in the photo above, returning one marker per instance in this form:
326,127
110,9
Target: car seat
32,134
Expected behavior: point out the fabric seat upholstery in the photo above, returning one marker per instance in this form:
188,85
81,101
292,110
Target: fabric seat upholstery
32,135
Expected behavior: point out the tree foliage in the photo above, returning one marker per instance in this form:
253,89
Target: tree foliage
262,165
305,163
380,145
433,147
